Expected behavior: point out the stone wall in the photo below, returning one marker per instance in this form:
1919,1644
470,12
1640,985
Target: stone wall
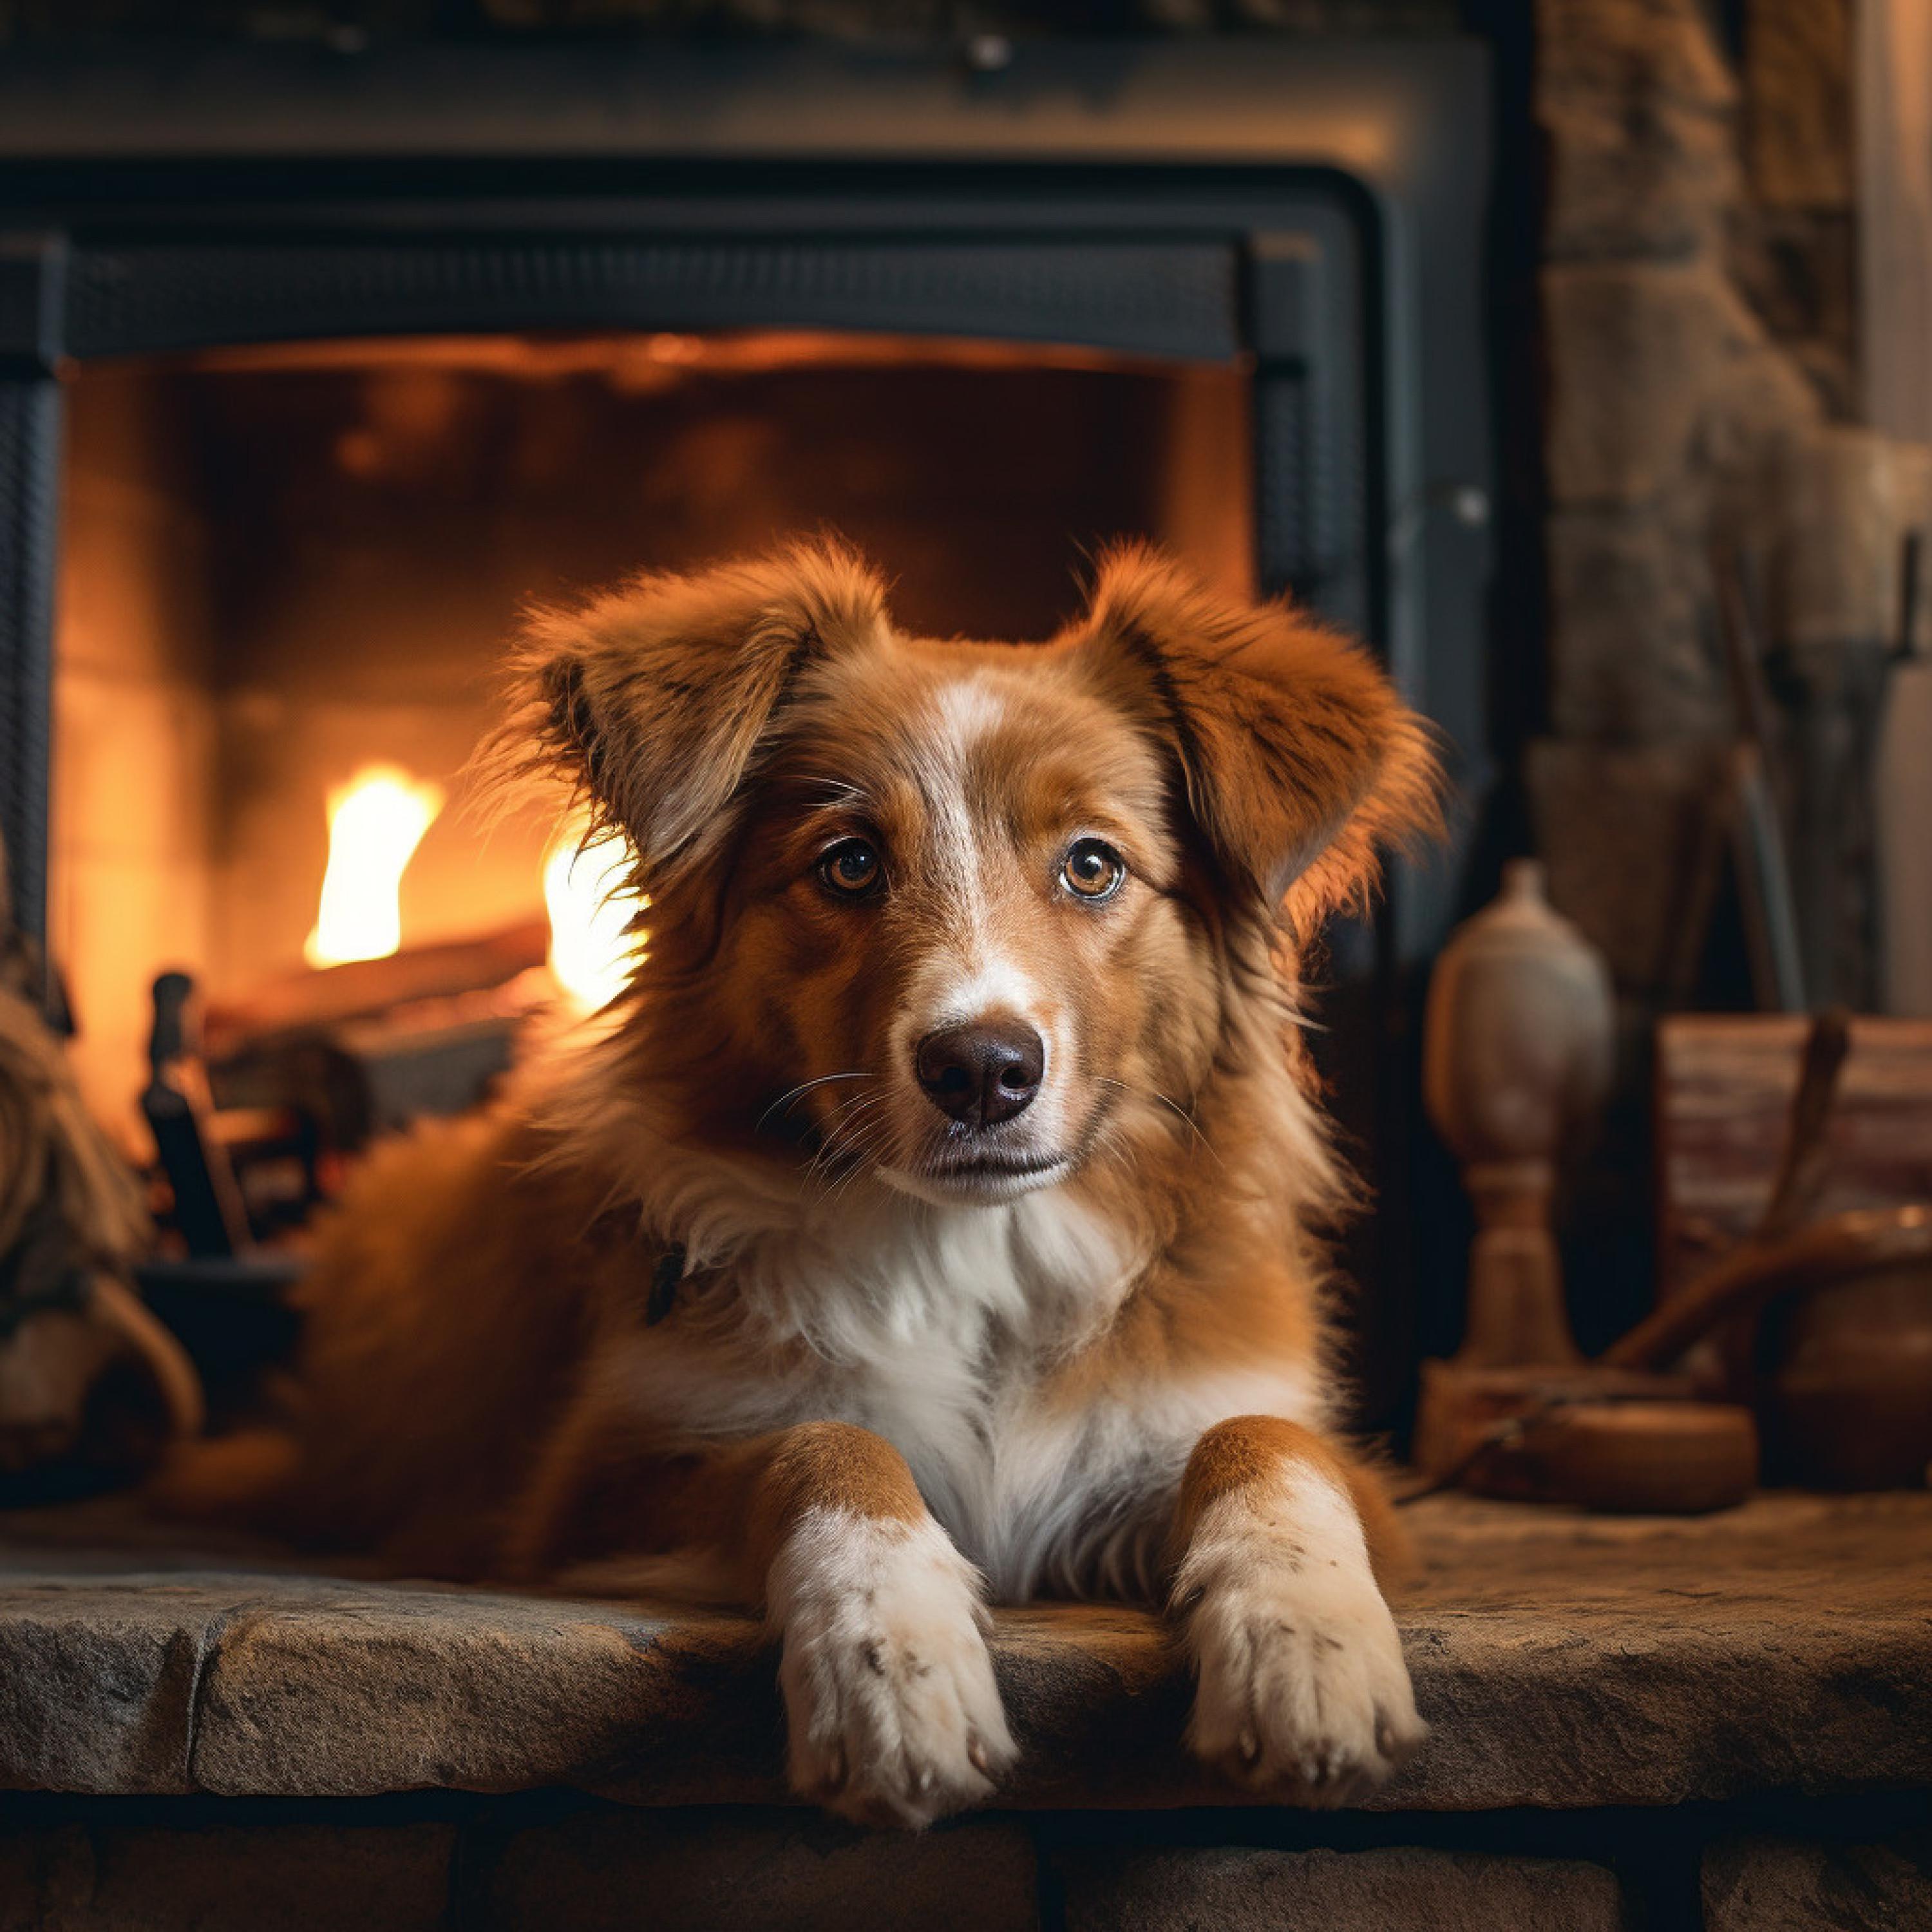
438,1863
1670,393
1696,340
1792,244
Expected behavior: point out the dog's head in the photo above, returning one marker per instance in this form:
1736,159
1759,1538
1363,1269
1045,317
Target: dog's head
954,912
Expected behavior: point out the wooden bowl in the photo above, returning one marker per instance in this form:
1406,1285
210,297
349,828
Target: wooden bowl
1598,1438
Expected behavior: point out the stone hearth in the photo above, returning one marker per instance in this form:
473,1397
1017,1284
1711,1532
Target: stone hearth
1596,1687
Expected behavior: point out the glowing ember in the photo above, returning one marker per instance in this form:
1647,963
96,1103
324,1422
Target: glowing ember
592,947
376,823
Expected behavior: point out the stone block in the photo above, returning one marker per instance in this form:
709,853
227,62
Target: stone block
1640,353
1637,103
1798,268
1754,1884
96,1681
346,1691
1798,132
1631,49
1563,1661
1664,388
754,1871
222,1878
1633,655
1241,1890
1646,176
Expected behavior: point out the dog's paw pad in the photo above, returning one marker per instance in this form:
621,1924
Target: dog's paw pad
1302,1695
893,1714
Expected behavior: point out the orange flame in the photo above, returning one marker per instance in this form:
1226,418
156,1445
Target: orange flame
376,823
591,948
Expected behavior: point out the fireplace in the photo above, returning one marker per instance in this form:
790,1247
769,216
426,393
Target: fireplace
296,415
287,568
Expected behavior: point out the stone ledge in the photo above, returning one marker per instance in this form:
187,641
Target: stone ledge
1564,1660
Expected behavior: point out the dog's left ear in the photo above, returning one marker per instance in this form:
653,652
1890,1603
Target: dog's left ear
1297,757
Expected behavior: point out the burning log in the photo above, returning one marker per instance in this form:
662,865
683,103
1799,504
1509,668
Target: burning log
281,1086
362,1049
364,990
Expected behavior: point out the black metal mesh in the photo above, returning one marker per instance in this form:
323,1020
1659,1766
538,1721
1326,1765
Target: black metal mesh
1282,457
1173,298
29,430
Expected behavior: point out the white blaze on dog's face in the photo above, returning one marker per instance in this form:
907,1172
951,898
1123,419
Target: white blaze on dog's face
952,902
954,912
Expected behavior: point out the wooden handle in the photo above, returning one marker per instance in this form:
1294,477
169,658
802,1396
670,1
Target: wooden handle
1861,1242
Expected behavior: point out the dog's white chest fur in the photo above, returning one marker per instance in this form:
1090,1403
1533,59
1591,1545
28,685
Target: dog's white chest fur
944,1330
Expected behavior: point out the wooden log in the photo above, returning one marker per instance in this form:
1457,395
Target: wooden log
332,996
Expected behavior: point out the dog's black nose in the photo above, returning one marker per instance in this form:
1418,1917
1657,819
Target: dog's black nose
983,1074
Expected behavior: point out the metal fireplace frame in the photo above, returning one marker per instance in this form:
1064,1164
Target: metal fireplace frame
1316,209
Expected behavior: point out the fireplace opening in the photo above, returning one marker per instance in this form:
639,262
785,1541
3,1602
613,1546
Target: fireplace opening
288,575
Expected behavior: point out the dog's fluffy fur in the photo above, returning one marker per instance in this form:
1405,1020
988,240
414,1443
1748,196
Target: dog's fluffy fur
1079,1351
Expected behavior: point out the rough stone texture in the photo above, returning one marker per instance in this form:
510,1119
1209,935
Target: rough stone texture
1792,246
1640,105
1660,376
1563,1661
1697,333
1633,348
1645,120
1798,123
1621,825
1638,665
1236,1890
1647,179
1632,50
755,1872
365,1689
293,1878
1797,268
1783,1885
1698,325
1668,395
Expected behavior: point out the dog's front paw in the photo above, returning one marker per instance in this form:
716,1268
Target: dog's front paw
1302,1693
891,1710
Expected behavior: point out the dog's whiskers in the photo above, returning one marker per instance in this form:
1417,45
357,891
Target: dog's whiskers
837,1125
853,1151
1154,1093
805,1087
842,1117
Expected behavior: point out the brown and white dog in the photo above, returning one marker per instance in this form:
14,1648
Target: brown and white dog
932,1216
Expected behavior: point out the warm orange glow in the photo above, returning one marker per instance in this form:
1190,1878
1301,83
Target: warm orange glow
592,949
376,823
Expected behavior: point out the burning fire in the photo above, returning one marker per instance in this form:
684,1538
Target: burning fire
376,823
592,950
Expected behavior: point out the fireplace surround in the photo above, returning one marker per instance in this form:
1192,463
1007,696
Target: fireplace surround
1308,216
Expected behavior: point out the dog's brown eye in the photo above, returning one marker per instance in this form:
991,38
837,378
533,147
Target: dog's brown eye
1094,869
851,867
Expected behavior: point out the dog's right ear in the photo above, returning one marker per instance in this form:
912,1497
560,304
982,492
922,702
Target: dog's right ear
651,699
